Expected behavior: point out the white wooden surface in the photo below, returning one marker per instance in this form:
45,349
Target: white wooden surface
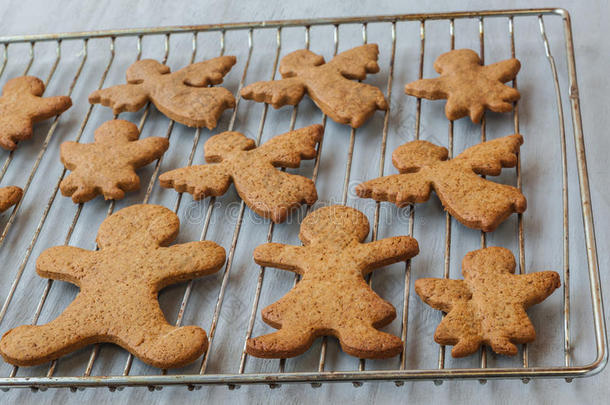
541,184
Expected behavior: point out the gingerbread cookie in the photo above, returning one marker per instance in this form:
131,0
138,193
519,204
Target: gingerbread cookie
269,192
488,306
468,86
474,201
22,105
184,96
107,166
9,196
330,85
332,297
119,284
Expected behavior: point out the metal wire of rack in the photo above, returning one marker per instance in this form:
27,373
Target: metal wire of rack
274,378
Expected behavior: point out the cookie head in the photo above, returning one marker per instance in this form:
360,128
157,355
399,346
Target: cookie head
456,60
296,61
492,260
114,129
336,225
143,69
24,84
218,147
142,224
412,156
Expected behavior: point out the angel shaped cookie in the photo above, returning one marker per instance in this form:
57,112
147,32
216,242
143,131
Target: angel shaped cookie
269,192
107,166
488,306
184,96
473,200
468,86
119,285
331,85
22,105
332,297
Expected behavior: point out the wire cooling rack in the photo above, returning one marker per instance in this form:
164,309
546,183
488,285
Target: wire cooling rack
227,305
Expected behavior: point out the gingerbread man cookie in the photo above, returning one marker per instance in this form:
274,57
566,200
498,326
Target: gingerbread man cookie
22,105
184,96
474,201
107,166
119,285
332,297
488,306
330,85
9,196
269,192
468,86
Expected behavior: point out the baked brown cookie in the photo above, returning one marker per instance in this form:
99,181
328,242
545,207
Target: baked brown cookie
9,196
332,297
119,285
269,192
330,85
184,96
468,86
488,306
22,105
474,201
108,165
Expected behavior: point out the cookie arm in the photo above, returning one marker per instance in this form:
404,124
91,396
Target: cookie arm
203,74
278,93
357,62
442,294
146,150
387,251
488,158
9,196
400,189
503,71
200,181
288,149
70,152
536,287
47,107
186,261
285,257
66,263
124,97
431,89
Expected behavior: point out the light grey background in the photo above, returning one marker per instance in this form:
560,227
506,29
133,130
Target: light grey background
541,169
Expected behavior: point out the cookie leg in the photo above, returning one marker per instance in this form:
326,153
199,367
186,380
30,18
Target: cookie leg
366,342
169,347
30,345
73,186
503,345
286,342
465,346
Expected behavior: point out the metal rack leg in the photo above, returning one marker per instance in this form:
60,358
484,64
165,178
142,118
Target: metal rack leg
564,194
